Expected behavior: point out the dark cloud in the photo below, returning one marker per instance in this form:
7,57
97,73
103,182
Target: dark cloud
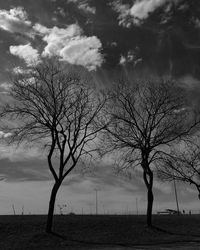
32,169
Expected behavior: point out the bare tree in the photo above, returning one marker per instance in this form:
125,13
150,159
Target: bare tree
146,118
56,108
183,164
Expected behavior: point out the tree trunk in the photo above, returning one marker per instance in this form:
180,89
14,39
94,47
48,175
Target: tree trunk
52,200
149,206
148,179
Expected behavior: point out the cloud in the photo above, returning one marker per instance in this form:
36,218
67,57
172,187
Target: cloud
57,38
83,51
122,60
60,11
73,47
190,82
4,92
115,192
163,188
132,57
5,86
196,22
15,21
20,70
4,135
40,29
124,13
26,52
22,152
139,11
84,6
32,169
67,43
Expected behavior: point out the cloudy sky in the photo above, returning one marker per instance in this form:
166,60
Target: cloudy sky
108,38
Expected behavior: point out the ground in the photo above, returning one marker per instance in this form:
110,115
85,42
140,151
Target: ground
103,232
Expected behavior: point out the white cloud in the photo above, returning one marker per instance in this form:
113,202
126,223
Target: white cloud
68,43
122,60
139,11
26,52
113,44
131,57
19,13
83,51
6,86
57,38
196,22
20,70
20,152
124,13
4,135
73,47
40,29
84,6
190,82
15,20
60,11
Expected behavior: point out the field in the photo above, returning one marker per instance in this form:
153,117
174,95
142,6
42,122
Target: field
26,232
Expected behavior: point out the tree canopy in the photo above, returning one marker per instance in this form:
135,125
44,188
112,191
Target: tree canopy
59,109
146,119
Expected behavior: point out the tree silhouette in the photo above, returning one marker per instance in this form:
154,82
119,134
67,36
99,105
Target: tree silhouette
182,164
145,119
58,109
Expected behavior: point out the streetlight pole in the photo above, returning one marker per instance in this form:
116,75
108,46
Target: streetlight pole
96,190
137,206
176,196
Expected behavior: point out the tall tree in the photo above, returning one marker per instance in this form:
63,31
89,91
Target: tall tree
182,164
56,108
146,118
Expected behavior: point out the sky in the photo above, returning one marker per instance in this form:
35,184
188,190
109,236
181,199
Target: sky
108,38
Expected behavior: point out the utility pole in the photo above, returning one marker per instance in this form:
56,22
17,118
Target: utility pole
136,206
23,210
176,196
96,190
13,207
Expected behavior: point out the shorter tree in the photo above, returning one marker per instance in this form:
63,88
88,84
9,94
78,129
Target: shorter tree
182,164
146,119
59,110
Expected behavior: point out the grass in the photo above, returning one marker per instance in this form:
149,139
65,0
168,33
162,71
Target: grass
93,232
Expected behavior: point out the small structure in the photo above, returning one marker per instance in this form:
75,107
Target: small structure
169,211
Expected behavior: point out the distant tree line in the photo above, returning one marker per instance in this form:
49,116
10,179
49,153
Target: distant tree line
145,123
